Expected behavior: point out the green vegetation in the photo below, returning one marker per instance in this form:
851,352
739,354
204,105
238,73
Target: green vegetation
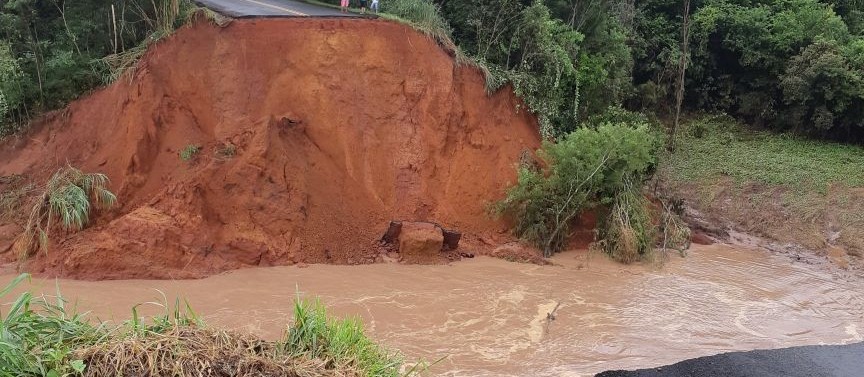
786,188
190,152
626,232
66,203
44,337
586,169
423,15
791,65
717,147
52,51
225,151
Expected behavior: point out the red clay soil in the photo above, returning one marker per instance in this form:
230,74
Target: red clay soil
339,125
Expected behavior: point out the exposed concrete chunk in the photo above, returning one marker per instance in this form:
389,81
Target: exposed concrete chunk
418,239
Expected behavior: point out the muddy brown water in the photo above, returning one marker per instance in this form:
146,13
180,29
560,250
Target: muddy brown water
489,317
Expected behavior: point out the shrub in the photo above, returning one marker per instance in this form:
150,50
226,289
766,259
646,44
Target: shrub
587,168
67,201
190,152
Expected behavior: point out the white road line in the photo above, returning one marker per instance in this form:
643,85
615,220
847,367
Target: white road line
277,7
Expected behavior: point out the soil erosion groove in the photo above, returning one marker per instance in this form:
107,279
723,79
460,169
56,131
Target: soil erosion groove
313,135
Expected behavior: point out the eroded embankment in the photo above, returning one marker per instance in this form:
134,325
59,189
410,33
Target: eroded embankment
339,127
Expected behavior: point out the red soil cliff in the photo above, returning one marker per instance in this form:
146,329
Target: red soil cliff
339,127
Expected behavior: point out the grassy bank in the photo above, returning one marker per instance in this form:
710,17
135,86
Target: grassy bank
41,336
781,187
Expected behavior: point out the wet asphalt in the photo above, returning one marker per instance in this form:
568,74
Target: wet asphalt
270,8
807,361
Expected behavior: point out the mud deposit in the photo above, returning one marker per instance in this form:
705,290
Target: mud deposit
312,135
488,316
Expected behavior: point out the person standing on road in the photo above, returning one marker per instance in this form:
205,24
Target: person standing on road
362,6
374,6
344,6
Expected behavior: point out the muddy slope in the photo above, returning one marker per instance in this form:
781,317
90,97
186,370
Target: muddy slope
339,127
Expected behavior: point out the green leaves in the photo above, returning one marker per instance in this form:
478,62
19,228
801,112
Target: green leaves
824,88
69,198
586,168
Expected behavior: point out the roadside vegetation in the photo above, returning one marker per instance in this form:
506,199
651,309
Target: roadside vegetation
53,51
44,336
787,188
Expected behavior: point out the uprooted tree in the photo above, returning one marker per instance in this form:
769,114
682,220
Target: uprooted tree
587,168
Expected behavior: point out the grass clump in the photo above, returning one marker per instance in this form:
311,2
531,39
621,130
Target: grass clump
66,202
627,233
423,15
190,152
341,343
226,151
43,337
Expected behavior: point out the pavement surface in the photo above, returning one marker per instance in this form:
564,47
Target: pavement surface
270,8
809,361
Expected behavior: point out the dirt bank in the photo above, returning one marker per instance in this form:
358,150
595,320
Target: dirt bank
336,126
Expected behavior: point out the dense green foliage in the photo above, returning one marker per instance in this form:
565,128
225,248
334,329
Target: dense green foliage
587,168
51,51
41,336
785,64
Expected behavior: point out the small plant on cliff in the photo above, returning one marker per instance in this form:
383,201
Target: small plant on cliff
67,201
226,151
585,169
190,152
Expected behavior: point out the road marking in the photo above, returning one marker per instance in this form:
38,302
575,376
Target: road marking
277,7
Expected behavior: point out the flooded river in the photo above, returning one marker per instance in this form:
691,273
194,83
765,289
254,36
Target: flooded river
489,317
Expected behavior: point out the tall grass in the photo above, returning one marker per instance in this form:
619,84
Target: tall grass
44,337
37,335
66,202
423,15
627,234
339,342
161,20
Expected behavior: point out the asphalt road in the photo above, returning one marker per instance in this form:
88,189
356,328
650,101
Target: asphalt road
270,8
809,361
